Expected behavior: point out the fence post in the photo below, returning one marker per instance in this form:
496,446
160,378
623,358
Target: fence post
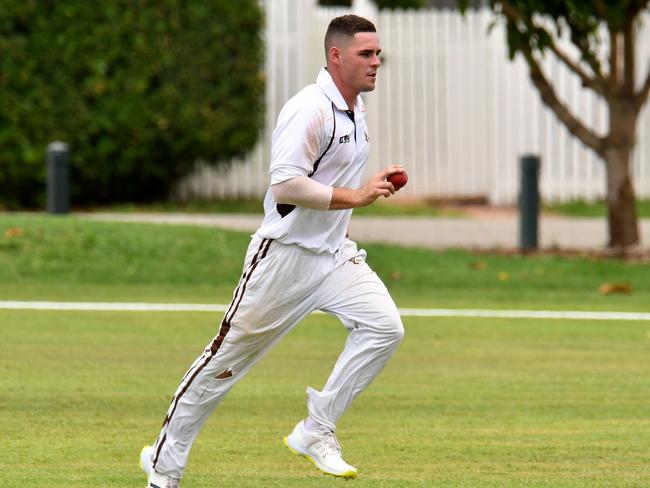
529,202
57,178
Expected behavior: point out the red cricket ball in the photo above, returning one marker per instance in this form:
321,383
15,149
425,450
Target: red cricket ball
398,179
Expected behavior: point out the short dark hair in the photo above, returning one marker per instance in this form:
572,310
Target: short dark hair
346,26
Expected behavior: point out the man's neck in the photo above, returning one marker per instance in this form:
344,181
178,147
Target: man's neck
350,101
349,95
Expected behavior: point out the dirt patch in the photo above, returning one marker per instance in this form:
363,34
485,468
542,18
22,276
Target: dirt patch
635,255
470,206
488,211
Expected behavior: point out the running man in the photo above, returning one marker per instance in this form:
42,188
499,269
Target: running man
300,260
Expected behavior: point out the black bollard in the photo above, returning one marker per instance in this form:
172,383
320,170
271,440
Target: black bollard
529,202
57,178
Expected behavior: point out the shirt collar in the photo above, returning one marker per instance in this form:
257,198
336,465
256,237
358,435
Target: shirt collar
326,82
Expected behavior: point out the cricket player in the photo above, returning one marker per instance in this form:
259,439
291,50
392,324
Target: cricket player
300,260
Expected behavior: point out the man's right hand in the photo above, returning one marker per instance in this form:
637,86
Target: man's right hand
376,187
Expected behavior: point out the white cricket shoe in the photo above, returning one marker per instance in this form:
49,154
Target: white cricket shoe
322,448
155,480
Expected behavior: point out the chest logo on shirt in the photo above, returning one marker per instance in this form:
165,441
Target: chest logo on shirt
344,139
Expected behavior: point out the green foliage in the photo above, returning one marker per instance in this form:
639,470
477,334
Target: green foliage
139,90
581,18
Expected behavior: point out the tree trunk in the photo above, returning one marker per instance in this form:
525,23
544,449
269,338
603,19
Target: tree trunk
621,209
617,152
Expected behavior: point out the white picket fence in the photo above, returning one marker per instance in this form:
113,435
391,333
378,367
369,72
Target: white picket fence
449,106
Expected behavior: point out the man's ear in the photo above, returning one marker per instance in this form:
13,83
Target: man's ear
334,55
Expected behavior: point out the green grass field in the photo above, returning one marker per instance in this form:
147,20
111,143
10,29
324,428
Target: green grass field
576,208
595,209
465,402
72,259
255,206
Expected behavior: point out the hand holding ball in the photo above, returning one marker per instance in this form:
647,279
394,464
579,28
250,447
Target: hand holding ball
398,179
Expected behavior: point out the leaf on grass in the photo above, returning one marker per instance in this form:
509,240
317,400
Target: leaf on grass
612,288
14,232
503,276
478,265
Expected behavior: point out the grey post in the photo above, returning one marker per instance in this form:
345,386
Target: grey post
57,178
529,202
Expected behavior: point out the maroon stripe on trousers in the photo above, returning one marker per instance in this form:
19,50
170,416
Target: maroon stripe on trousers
216,343
207,350
245,278
225,325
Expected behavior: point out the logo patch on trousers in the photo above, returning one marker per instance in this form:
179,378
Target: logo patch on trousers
226,374
344,139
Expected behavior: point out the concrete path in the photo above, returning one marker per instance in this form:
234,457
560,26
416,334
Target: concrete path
478,232
488,233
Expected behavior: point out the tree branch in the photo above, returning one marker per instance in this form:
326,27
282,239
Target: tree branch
551,100
590,59
596,83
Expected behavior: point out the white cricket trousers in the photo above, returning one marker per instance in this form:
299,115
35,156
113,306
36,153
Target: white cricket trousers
280,285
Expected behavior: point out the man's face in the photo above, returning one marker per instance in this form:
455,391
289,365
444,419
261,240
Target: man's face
360,61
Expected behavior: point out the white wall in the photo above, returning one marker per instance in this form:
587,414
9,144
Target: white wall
449,106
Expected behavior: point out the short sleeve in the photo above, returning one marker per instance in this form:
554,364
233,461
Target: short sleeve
297,140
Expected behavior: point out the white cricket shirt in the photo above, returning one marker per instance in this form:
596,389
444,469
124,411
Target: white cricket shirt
316,136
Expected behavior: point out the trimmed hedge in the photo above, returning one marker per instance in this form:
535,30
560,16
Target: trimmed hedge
139,90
